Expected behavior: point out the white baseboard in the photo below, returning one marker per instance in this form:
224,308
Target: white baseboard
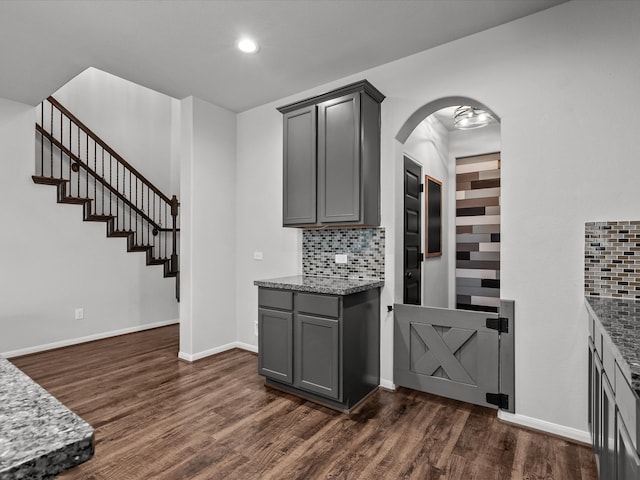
574,434
212,351
247,346
389,385
88,338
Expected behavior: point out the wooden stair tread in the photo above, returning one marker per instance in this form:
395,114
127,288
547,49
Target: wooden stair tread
140,248
75,200
98,218
39,179
158,261
120,233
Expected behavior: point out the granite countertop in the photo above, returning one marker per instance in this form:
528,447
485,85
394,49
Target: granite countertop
328,285
620,319
39,437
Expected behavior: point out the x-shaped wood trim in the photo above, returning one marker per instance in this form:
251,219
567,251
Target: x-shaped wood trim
441,352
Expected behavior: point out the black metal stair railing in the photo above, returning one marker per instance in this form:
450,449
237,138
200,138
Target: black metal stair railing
87,171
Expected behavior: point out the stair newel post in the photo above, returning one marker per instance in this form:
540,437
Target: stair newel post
42,140
51,149
174,216
61,141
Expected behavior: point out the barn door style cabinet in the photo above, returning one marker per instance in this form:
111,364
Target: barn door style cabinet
331,158
614,407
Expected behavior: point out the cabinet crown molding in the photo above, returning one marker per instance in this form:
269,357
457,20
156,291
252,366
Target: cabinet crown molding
361,86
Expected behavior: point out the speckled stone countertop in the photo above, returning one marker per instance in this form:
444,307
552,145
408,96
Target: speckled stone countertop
39,437
620,319
332,286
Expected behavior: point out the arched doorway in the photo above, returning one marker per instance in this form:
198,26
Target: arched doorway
442,345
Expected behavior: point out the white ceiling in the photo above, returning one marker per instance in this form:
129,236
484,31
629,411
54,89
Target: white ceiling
187,47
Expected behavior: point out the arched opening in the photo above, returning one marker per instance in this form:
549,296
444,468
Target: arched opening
461,169
453,335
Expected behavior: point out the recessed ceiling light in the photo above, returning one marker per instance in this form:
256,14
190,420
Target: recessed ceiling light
247,45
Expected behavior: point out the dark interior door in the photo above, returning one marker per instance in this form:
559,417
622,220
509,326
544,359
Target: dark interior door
412,218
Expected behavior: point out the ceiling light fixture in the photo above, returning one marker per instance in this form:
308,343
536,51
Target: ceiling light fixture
247,45
466,117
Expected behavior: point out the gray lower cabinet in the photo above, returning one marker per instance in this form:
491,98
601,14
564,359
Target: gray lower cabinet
275,342
322,347
613,413
317,355
628,461
608,435
331,158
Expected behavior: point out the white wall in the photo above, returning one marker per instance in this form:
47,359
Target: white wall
259,221
465,143
137,122
207,229
428,145
53,262
557,80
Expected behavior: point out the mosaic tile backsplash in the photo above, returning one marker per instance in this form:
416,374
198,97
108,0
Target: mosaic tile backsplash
364,248
612,259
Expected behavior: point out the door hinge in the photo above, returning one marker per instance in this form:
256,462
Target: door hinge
501,400
501,324
422,187
422,257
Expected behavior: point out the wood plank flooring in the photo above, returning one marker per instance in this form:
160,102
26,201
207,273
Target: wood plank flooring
160,418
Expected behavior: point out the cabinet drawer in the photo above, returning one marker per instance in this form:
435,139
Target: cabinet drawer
282,299
326,305
627,403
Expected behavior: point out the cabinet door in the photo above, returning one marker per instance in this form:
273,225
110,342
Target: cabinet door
317,355
590,388
628,462
339,160
299,176
275,345
608,446
596,405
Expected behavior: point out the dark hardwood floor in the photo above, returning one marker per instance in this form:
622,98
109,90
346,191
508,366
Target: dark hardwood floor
160,418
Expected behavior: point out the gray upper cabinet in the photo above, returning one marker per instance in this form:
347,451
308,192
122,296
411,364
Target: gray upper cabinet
332,158
338,160
299,200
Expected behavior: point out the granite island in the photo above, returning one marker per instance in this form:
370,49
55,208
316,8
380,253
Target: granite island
39,437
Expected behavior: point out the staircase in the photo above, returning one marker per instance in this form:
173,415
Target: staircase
88,172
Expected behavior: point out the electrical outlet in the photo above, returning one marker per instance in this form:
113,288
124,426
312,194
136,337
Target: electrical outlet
257,255
341,258
79,313
255,328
